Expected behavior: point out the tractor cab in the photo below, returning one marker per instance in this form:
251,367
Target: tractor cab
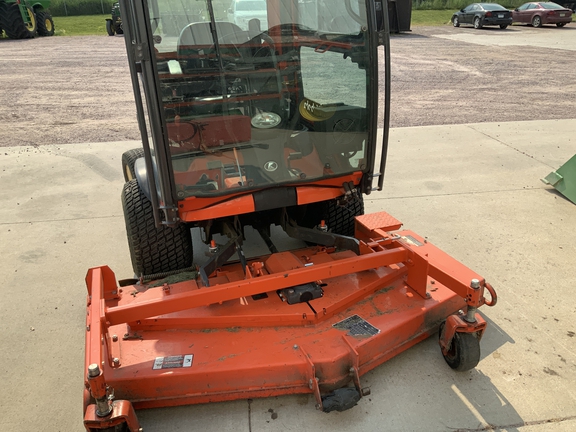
272,106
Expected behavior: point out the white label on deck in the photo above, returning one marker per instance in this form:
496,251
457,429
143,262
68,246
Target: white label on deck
173,362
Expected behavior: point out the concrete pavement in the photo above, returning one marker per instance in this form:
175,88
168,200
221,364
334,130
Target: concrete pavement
474,190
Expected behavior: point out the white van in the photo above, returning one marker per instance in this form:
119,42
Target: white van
242,11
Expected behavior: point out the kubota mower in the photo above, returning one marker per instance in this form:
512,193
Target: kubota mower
266,126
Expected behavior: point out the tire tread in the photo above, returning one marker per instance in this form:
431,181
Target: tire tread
340,219
153,250
464,351
12,23
128,159
41,18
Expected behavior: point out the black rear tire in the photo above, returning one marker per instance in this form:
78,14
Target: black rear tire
128,159
536,21
477,23
45,24
339,219
153,250
560,24
503,26
464,352
13,24
110,28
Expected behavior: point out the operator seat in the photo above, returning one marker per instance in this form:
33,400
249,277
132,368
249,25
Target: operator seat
199,33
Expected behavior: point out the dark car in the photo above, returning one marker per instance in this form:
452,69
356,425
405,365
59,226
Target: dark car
538,13
483,14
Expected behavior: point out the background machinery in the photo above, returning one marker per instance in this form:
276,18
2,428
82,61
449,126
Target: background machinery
269,135
24,19
114,24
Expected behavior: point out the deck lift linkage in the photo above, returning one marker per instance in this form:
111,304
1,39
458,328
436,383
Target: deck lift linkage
271,121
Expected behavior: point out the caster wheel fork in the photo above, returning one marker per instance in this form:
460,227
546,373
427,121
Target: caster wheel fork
460,341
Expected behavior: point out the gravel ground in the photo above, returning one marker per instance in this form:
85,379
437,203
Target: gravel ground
62,90
445,75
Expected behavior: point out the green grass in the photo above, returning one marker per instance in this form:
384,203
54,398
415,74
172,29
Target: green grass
62,8
431,17
81,25
96,24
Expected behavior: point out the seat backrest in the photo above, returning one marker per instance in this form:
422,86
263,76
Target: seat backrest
199,33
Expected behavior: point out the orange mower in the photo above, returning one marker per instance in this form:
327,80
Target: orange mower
263,130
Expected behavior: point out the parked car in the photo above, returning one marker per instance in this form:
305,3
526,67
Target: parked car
483,14
241,11
538,13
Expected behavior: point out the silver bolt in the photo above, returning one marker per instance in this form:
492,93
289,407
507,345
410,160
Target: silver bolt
295,347
318,406
116,360
475,283
114,338
93,370
310,385
470,315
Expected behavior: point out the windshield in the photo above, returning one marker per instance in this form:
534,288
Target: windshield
277,96
492,6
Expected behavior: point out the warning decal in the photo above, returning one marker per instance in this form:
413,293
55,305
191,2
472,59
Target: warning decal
173,362
357,326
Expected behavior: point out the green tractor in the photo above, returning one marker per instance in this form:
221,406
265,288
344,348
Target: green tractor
24,19
114,24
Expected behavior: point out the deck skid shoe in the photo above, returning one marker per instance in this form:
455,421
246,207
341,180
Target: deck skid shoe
186,342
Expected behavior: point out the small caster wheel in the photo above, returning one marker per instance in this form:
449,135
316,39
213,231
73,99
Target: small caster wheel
464,351
340,399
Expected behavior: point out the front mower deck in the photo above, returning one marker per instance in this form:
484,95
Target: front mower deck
183,343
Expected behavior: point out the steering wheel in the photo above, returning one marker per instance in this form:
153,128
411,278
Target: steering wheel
228,47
